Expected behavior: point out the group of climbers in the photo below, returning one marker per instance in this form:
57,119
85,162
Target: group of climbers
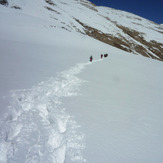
102,55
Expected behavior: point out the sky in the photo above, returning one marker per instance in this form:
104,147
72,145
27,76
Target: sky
149,9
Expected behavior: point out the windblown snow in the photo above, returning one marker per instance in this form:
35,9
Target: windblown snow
57,107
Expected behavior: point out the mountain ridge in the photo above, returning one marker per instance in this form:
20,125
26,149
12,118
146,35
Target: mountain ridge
120,29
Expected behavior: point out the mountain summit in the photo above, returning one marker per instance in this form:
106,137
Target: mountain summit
121,29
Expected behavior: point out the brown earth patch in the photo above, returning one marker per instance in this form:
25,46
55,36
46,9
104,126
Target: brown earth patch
16,7
150,49
106,38
50,2
50,9
89,5
153,46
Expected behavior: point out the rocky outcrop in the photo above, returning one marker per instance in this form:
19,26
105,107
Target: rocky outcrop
4,2
152,49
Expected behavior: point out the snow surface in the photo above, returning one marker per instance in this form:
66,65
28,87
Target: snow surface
56,106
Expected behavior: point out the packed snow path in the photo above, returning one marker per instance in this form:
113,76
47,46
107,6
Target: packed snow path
39,130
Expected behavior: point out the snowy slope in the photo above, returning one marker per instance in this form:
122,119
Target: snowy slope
121,29
56,106
122,105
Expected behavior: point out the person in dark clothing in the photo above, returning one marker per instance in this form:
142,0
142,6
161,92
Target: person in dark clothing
101,56
91,58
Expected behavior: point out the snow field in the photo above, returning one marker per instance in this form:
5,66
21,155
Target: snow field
39,129
110,112
122,101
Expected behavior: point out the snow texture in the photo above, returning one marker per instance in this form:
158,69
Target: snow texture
57,107
39,129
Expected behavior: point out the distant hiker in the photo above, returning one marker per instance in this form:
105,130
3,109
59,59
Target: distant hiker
105,55
91,58
101,56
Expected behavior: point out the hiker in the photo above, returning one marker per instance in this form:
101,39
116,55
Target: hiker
91,58
101,56
105,55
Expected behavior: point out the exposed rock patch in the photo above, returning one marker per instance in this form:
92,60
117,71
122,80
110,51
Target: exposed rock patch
150,49
4,2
